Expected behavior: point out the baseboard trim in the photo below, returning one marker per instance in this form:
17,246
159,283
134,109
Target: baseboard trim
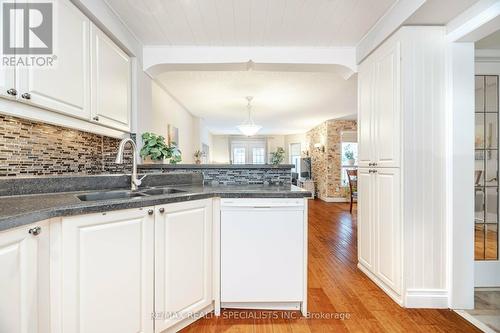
262,305
427,298
392,294
330,199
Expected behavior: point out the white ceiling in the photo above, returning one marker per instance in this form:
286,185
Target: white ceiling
250,22
491,42
439,12
284,102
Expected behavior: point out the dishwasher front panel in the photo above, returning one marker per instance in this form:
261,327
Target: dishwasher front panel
262,254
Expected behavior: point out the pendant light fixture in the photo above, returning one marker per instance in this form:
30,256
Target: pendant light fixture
249,128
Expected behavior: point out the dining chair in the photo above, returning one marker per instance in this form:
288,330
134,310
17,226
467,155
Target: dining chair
352,176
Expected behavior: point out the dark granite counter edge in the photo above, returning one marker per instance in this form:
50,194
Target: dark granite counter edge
98,207
215,166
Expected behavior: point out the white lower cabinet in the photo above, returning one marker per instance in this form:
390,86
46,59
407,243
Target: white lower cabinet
379,227
24,279
107,272
183,261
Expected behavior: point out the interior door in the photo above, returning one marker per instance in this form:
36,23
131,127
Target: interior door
387,197
110,82
366,228
365,116
24,282
65,87
107,272
387,110
183,261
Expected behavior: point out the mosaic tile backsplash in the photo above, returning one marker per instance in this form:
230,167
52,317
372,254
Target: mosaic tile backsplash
226,176
29,148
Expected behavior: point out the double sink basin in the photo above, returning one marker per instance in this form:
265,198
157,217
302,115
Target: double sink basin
110,195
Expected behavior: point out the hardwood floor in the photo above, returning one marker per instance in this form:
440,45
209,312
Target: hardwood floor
337,286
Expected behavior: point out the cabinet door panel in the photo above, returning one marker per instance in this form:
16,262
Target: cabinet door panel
7,74
111,85
388,227
365,119
183,257
387,107
64,88
23,280
365,218
107,271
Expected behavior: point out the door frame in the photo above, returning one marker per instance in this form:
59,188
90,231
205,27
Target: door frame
474,24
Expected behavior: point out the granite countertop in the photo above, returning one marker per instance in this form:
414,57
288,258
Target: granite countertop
215,166
20,210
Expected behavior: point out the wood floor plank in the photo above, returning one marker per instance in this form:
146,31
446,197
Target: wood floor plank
337,287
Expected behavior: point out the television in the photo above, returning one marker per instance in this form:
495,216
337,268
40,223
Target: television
305,168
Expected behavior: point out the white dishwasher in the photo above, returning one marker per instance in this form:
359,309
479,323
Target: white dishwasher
263,253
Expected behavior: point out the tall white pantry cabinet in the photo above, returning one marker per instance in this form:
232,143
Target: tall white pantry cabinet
401,177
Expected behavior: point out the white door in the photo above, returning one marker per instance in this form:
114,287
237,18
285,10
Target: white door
183,261
107,272
110,82
65,87
388,250
387,93
365,114
24,283
366,232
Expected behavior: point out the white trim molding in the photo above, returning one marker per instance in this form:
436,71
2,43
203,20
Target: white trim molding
334,199
427,298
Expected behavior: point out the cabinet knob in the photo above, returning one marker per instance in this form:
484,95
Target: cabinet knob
96,118
161,210
35,231
12,92
150,212
26,96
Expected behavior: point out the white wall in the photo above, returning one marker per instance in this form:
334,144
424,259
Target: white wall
165,110
220,149
295,138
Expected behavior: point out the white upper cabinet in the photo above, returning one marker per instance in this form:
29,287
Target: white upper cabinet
107,272
387,106
380,109
365,109
7,75
110,81
24,279
183,261
64,88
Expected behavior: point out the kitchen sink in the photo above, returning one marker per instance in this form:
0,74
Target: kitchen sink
97,196
160,191
109,195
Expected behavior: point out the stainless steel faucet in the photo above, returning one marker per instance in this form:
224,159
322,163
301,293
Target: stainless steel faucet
135,182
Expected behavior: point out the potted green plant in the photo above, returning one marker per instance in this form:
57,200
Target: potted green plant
278,156
155,149
349,155
198,156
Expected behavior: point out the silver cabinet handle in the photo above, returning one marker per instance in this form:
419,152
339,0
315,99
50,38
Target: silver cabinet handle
150,212
12,92
96,118
26,96
161,210
35,231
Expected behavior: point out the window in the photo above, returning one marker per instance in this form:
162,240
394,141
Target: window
295,156
239,155
258,155
349,160
248,151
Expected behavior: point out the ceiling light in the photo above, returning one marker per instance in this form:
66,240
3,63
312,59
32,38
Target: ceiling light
249,128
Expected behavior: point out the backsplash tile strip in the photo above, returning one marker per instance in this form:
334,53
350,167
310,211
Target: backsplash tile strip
29,148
